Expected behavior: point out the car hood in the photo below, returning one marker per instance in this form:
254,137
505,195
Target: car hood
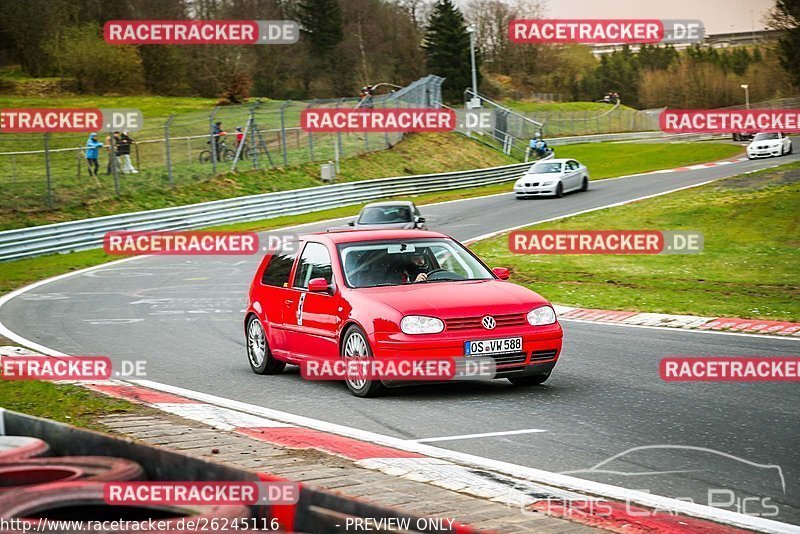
769,143
457,299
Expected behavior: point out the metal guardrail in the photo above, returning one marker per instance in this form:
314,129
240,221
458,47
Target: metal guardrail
88,233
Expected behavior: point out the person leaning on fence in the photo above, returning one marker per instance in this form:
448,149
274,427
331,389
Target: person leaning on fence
124,152
92,152
216,132
110,150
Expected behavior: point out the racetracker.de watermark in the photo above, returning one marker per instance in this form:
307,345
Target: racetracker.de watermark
729,121
199,32
332,120
605,242
397,369
180,243
67,120
605,31
202,493
72,368
730,369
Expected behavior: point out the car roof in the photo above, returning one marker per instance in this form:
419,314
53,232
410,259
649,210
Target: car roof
390,203
355,236
553,160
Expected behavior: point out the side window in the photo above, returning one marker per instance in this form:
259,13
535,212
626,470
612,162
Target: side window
572,165
279,268
315,262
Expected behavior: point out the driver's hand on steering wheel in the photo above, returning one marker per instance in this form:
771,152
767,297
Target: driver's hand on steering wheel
421,277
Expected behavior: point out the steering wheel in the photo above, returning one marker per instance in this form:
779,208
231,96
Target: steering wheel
429,273
432,275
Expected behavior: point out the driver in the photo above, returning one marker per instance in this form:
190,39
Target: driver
417,268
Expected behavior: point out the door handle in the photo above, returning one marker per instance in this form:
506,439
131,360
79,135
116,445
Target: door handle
288,302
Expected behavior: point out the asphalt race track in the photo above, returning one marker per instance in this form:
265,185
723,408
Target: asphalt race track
183,316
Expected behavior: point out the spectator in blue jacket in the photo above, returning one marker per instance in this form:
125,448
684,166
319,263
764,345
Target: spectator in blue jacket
92,150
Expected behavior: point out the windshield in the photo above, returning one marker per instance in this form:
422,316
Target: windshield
393,263
385,215
766,136
545,168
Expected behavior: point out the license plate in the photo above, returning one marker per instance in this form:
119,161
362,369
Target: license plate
493,346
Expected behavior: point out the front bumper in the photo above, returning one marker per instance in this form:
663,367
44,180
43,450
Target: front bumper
526,191
541,347
764,153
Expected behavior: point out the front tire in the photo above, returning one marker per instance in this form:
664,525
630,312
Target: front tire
258,354
355,346
530,380
560,190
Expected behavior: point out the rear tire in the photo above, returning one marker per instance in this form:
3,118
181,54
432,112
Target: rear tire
530,380
585,184
559,190
356,346
258,354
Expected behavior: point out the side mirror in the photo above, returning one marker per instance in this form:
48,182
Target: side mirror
419,221
351,223
502,273
318,285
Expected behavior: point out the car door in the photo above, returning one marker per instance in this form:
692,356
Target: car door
273,291
572,178
311,319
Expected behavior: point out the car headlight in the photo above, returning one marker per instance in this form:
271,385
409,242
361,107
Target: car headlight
547,183
419,324
541,316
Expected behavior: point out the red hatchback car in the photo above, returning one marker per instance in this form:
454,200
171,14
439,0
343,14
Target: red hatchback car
394,294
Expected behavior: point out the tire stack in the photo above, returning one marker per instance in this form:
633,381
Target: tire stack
34,485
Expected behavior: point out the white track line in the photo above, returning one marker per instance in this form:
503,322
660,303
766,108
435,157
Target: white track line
486,435
685,330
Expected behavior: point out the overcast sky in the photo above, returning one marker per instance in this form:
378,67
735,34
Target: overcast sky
718,16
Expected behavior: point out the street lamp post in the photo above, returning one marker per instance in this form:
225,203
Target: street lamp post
476,103
746,88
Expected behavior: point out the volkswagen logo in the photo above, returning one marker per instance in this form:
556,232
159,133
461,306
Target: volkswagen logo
488,322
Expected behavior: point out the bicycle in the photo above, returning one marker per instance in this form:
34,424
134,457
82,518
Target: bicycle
226,154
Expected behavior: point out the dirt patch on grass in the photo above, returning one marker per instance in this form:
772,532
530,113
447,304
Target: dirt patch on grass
761,180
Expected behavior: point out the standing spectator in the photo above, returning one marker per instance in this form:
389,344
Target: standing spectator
92,152
216,132
111,150
124,152
239,136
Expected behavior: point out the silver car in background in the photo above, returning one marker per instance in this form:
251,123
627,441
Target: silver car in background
403,215
552,177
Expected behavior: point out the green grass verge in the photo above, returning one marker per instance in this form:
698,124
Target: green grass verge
417,154
528,106
152,107
748,268
63,402
605,160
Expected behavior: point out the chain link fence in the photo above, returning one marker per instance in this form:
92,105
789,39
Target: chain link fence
39,170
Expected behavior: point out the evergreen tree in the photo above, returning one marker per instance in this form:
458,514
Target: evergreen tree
321,23
786,17
446,46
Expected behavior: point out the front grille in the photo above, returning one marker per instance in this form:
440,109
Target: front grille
542,355
504,359
467,323
529,184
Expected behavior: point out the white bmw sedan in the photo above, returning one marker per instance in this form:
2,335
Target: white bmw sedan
552,177
765,145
